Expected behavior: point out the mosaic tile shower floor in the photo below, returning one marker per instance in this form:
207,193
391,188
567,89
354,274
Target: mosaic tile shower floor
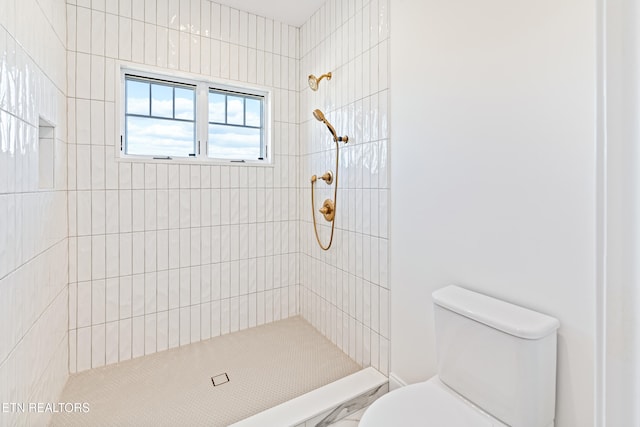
266,366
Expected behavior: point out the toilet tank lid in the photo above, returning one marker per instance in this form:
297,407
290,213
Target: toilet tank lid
506,317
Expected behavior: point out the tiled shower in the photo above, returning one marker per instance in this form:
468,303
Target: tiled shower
345,291
163,255
33,214
120,259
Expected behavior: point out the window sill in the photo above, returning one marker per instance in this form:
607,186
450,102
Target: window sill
194,161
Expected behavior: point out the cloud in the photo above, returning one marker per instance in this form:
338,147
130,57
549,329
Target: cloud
156,137
159,137
235,110
216,111
184,108
162,107
253,119
138,106
151,136
233,142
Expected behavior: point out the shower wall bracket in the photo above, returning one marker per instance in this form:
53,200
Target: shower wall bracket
327,177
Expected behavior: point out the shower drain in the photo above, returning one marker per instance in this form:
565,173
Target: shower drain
220,379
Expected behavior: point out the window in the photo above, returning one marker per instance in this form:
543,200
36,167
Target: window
169,118
159,118
235,125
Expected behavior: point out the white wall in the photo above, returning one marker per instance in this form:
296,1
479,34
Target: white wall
623,214
345,291
166,255
33,232
493,111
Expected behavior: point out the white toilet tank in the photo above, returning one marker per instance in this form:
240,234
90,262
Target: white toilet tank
500,356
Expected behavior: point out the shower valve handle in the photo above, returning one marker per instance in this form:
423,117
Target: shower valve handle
328,210
327,177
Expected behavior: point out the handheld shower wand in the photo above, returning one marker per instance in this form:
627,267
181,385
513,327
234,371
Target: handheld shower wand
319,115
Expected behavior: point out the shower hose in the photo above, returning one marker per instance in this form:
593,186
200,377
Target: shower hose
335,202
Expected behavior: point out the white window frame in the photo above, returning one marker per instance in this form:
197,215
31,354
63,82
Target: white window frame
202,85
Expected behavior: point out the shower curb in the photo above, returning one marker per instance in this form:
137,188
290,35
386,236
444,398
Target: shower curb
325,405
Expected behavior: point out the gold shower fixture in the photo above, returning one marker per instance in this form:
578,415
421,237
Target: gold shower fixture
319,115
328,209
314,81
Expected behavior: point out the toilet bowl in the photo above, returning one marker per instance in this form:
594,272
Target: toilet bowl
429,404
496,368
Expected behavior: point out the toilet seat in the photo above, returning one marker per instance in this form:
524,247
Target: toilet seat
426,404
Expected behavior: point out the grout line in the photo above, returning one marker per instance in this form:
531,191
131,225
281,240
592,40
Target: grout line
32,325
33,258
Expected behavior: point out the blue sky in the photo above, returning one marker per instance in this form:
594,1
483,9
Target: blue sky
154,136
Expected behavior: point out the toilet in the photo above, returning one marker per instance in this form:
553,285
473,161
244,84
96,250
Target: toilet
496,367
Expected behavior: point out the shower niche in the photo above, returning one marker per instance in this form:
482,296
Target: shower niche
46,155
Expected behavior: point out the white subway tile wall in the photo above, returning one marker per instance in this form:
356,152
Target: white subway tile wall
345,291
33,221
163,255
